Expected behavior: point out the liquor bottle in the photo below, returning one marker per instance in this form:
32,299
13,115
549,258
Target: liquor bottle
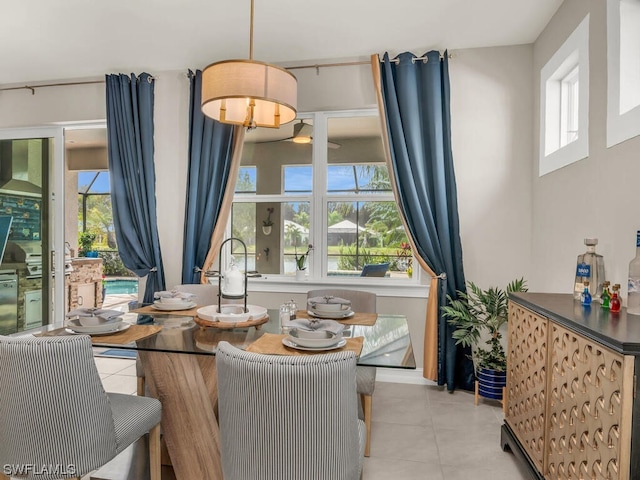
633,292
614,304
585,299
590,268
606,295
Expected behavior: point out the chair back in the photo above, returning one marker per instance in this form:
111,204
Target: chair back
206,294
53,407
375,270
287,417
361,301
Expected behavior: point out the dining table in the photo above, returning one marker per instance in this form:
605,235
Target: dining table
177,353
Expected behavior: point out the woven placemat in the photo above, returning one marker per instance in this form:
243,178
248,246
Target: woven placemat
131,334
271,344
366,319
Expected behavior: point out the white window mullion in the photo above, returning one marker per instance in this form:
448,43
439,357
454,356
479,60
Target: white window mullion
318,228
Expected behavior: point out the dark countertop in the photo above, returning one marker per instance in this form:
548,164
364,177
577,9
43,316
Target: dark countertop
618,331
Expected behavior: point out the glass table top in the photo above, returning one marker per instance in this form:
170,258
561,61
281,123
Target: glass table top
386,343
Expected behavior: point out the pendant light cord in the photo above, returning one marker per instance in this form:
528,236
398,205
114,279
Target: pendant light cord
251,34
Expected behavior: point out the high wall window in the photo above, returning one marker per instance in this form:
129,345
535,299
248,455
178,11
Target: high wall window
623,70
330,189
564,103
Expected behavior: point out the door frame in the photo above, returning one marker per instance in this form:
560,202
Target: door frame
56,210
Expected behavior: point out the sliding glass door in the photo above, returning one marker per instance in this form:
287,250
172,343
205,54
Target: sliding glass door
31,228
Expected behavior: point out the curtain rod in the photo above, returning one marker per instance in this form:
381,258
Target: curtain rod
33,87
63,84
317,66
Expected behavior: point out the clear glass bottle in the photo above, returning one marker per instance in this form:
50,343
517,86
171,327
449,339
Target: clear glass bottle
615,305
589,268
293,308
633,292
605,298
585,298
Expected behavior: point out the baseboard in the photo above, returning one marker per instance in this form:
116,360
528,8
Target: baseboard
400,375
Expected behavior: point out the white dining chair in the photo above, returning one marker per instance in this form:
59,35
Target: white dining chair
364,302
54,412
288,417
205,293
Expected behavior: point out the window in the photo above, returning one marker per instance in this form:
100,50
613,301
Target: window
564,103
331,190
623,70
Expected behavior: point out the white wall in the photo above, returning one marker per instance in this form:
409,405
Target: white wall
595,197
492,145
491,122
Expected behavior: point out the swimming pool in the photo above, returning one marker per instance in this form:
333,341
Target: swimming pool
121,286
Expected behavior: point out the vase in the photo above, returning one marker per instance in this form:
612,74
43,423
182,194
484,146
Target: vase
266,230
491,382
301,275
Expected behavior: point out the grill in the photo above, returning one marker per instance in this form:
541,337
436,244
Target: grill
29,253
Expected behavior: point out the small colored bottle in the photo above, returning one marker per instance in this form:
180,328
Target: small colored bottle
606,295
614,303
585,298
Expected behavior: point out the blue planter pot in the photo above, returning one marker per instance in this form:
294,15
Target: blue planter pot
91,254
490,383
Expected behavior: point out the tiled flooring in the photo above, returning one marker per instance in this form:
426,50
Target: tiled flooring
419,432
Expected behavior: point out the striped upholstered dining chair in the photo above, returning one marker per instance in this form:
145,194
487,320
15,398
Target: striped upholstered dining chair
56,420
288,417
364,302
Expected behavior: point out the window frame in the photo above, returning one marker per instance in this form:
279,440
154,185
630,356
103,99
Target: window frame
620,127
573,53
318,227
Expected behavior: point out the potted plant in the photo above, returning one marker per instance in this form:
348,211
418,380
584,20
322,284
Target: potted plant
478,316
268,223
301,262
85,240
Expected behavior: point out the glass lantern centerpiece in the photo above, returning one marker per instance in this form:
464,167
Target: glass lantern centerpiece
232,283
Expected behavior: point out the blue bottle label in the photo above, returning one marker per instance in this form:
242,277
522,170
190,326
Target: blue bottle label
583,270
638,239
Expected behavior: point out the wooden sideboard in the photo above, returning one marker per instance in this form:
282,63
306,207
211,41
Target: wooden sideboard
571,411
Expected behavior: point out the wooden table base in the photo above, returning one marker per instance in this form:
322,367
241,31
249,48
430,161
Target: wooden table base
187,387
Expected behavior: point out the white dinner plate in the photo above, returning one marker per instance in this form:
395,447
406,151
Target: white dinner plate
333,315
170,307
76,326
288,342
122,326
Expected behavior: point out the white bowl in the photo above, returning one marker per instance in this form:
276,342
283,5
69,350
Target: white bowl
97,321
329,307
102,328
172,300
314,339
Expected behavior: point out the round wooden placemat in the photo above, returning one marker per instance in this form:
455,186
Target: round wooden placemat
226,325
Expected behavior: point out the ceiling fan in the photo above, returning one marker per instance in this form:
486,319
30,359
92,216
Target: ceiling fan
302,133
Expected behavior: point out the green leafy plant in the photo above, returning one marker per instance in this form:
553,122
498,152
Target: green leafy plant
268,222
478,313
85,241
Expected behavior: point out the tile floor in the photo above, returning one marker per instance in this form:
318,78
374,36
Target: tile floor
419,432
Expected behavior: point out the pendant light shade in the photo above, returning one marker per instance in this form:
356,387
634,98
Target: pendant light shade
249,93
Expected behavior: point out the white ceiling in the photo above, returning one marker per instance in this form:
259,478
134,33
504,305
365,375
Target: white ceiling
44,40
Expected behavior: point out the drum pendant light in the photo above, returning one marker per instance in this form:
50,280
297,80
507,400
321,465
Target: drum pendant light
248,92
